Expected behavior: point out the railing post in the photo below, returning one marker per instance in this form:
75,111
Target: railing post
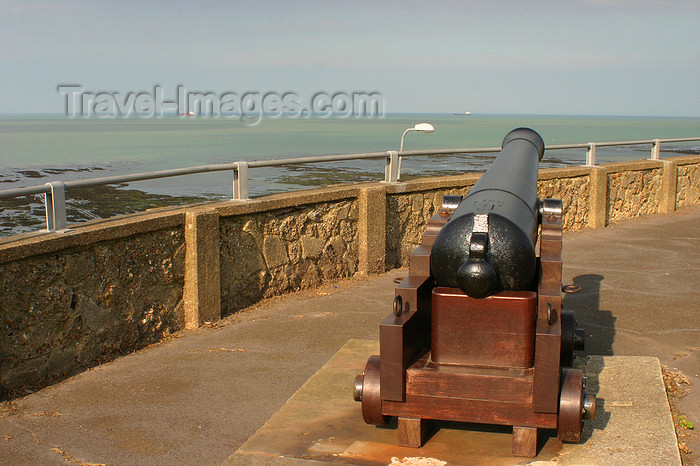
392,169
55,202
240,181
590,154
655,149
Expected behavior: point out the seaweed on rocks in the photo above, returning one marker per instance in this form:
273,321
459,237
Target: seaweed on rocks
27,213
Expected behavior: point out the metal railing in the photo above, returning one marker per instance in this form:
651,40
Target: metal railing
55,191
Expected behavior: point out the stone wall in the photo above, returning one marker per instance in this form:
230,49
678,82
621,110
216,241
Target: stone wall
406,218
633,193
68,310
270,253
688,188
568,189
73,299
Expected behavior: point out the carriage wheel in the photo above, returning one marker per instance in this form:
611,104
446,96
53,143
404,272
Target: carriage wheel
366,390
571,411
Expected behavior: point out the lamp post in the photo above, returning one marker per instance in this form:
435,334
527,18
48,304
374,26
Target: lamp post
420,127
426,128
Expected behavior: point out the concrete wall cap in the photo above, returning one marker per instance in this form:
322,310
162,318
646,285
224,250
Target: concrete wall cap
636,165
87,234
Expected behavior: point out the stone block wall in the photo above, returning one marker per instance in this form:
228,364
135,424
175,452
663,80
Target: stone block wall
569,190
688,188
70,300
270,253
406,218
70,309
633,193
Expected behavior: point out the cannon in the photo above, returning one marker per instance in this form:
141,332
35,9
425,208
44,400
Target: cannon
478,333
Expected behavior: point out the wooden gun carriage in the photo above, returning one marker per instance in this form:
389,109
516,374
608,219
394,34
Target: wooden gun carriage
477,332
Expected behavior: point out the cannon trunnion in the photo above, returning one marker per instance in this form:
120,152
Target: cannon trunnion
478,333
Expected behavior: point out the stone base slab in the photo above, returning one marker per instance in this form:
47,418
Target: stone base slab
321,423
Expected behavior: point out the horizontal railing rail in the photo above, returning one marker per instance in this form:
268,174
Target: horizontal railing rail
55,191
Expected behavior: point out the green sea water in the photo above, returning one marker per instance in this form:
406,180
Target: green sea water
168,142
38,149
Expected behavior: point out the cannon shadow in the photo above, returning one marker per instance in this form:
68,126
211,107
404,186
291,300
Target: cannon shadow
599,325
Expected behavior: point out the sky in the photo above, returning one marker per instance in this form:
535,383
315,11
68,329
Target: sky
577,57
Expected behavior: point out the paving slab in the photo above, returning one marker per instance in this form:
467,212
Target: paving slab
322,424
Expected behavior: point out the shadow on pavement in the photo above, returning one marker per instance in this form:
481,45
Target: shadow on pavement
600,335
598,324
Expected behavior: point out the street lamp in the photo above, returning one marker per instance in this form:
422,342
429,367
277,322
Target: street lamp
421,127
426,128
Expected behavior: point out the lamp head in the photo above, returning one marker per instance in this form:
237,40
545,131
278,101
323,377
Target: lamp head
424,128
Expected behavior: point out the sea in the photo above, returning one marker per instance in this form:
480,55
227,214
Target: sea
36,149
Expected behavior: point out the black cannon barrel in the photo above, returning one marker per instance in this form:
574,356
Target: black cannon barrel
489,243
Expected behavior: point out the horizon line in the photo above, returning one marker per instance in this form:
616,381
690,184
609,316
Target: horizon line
461,115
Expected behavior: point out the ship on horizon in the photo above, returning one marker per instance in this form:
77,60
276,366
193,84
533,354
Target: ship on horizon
467,113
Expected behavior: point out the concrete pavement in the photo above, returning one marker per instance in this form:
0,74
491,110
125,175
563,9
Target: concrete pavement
196,398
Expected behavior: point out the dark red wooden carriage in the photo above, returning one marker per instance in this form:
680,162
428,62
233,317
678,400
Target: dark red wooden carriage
498,360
